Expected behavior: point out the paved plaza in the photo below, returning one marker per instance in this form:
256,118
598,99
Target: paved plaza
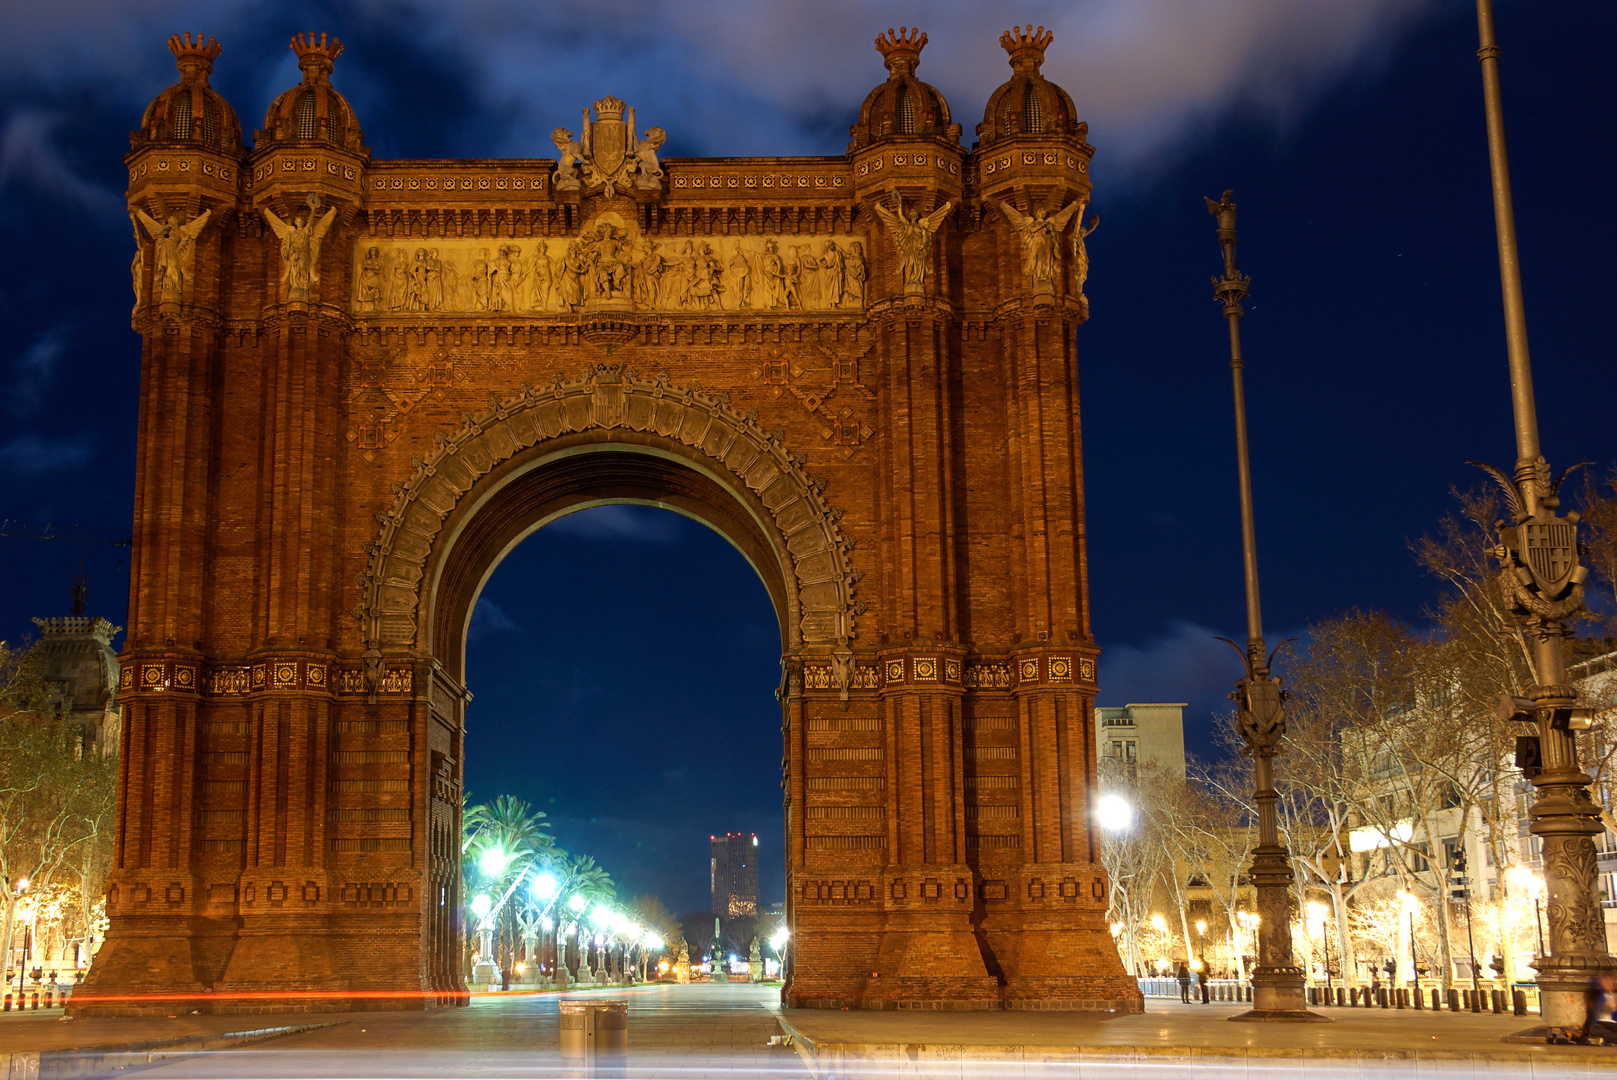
703,1030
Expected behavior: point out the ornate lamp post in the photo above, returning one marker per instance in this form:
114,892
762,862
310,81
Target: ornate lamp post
1543,586
1277,982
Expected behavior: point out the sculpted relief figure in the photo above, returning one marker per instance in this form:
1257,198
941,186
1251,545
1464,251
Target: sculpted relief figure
137,267
368,289
855,263
1038,232
173,250
609,262
541,278
835,265
912,235
567,169
300,248
650,170
1080,253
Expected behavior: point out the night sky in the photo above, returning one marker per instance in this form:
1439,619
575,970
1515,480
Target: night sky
624,660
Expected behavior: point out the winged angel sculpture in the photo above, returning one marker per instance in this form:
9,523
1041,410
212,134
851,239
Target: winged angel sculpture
912,234
173,246
300,248
1039,233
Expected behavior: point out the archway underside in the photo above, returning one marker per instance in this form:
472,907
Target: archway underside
571,473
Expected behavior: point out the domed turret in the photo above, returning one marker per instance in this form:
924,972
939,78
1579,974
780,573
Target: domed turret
1029,104
903,105
191,111
312,111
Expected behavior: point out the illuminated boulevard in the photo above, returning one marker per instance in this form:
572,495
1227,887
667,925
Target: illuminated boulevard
701,1030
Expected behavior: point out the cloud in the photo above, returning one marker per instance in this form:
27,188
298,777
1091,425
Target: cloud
740,77
633,524
30,455
34,369
1187,663
488,618
29,155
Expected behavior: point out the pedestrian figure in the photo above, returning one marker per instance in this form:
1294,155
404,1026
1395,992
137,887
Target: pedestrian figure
1599,1001
1184,982
1202,975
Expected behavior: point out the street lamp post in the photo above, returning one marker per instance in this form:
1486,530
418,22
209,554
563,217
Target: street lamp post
1543,586
1277,982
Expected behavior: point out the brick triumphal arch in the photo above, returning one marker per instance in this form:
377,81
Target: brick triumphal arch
364,381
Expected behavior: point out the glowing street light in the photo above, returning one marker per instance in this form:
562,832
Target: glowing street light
545,886
1114,813
481,905
778,940
1159,924
576,902
492,861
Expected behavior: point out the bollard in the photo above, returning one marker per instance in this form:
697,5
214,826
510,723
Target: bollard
1313,996
8,1001
1476,1001
1497,999
49,997
1518,1002
1416,999
1385,994
1403,998
1454,1000
593,1028
1341,998
36,1000
1436,1001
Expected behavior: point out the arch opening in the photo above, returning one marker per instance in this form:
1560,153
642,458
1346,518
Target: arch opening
623,677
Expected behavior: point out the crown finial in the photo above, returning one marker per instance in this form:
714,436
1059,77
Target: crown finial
901,49
316,55
609,108
198,52
1026,46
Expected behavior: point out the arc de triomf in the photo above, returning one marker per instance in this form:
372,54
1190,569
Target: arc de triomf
363,382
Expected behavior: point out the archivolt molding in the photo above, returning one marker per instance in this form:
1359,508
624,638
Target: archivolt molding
611,396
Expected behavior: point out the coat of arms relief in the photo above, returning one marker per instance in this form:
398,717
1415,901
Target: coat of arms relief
608,151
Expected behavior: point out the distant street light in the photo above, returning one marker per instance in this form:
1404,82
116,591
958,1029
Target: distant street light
545,886
1114,813
481,904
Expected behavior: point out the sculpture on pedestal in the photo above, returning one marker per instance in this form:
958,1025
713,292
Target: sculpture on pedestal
300,249
1040,251
174,249
912,235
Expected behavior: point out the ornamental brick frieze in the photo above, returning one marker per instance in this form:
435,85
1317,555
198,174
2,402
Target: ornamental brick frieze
611,265
611,396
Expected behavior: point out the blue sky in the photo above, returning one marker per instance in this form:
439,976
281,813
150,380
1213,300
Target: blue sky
1351,131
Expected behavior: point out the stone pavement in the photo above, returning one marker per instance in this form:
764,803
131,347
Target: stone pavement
701,1030
692,1031
1170,1038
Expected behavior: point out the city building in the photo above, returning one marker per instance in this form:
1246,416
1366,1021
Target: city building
734,871
80,667
1152,735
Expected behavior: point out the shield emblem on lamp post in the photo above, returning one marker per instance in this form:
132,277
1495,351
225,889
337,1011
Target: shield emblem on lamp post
1549,547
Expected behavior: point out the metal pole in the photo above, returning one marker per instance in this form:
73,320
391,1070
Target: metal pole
1414,960
1543,586
1277,981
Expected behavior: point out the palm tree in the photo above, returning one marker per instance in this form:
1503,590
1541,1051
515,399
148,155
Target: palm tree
509,838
